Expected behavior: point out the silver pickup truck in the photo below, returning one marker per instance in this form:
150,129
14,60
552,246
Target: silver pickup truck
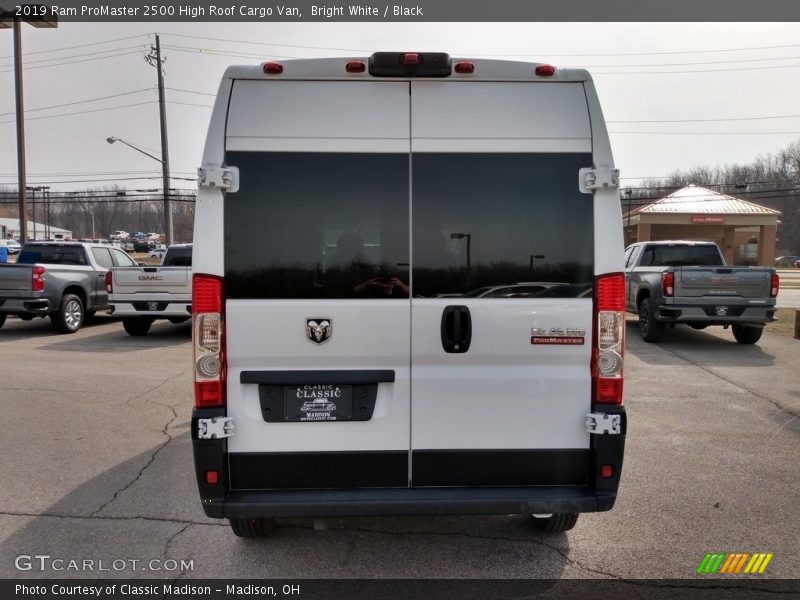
62,280
669,282
142,294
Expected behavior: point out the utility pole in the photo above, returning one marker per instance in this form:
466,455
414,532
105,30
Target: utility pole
154,59
37,18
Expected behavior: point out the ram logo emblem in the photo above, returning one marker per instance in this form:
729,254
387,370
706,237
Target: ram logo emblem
319,330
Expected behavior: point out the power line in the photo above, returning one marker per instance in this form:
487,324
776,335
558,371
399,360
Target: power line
75,61
122,39
188,104
213,52
80,101
699,71
709,120
31,62
191,91
83,112
708,132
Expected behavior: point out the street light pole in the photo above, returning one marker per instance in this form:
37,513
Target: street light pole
92,213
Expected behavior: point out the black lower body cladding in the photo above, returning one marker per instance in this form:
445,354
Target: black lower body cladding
322,484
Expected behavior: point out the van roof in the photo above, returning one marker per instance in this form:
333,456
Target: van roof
334,69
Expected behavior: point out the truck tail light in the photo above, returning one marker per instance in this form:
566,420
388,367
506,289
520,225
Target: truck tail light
668,283
208,341
37,279
776,286
609,338
109,282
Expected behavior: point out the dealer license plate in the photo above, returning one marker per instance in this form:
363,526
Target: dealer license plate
318,403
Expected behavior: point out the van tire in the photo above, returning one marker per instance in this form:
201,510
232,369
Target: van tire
252,528
650,329
69,316
2,319
555,523
698,326
747,335
137,325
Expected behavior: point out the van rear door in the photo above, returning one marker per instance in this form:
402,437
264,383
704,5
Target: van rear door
502,252
316,284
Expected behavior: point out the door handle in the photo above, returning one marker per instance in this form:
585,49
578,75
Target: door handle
456,329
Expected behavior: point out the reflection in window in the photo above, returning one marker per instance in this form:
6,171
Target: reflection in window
482,222
314,225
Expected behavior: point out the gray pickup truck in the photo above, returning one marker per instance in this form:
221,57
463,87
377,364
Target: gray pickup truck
62,280
669,282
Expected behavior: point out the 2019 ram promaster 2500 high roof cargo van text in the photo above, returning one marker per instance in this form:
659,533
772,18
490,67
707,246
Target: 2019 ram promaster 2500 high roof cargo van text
347,209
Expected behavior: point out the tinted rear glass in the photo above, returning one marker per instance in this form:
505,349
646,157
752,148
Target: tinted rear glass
178,257
485,220
52,255
680,255
313,225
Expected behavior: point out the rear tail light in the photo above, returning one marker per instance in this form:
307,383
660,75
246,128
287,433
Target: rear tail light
109,282
776,286
208,336
37,279
668,283
609,338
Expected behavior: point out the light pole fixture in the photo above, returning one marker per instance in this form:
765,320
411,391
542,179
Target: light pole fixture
468,237
165,177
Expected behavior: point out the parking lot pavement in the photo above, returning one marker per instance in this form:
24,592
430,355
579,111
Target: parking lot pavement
97,465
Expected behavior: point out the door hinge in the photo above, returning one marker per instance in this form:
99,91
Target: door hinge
597,179
603,423
223,178
214,428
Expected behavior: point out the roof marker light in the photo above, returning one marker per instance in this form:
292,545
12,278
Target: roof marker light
545,71
464,67
272,68
355,66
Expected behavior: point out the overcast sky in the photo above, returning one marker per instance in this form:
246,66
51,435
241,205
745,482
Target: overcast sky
708,72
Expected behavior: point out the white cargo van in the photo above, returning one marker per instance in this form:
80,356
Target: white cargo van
345,362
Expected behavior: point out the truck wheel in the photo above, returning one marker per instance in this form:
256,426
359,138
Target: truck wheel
69,316
137,325
555,523
650,329
2,319
178,320
252,528
747,335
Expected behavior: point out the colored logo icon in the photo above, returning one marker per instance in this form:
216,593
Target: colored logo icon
734,563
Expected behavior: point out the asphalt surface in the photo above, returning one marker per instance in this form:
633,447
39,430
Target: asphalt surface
97,466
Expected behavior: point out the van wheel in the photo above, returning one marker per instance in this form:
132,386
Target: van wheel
698,326
69,316
747,335
650,329
555,523
2,319
252,528
178,320
137,325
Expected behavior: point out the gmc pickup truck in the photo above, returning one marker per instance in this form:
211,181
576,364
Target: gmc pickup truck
62,280
142,294
669,282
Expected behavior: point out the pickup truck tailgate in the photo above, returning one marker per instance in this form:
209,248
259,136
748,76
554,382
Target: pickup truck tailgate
742,282
129,280
15,278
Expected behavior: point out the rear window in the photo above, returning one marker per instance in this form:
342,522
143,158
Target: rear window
52,255
316,225
178,257
485,220
680,255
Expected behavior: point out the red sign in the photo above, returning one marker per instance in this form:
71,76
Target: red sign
708,219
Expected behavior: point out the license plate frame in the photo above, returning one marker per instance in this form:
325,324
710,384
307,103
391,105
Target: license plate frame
318,403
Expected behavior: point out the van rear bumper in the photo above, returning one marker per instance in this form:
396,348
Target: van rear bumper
409,501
